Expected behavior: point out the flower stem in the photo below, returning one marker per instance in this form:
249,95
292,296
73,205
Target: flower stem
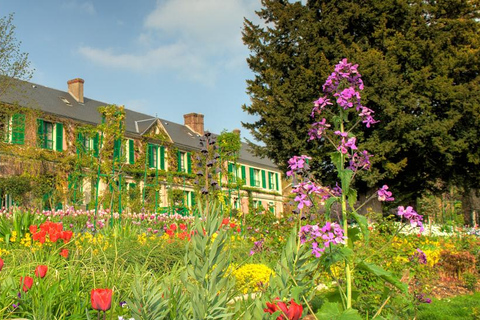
348,273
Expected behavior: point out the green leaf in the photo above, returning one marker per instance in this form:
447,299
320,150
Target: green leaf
352,197
385,275
336,160
297,292
334,311
345,177
353,236
328,204
363,224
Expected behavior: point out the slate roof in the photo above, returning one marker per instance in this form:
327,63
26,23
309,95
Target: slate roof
61,103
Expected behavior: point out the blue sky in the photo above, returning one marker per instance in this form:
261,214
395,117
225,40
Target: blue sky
164,58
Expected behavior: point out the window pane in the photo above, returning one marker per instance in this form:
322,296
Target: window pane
48,135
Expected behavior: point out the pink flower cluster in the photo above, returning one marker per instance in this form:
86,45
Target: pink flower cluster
297,164
304,190
322,238
384,194
412,216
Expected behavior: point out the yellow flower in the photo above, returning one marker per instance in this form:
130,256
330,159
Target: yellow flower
252,277
13,236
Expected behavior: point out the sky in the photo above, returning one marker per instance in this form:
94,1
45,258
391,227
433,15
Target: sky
165,58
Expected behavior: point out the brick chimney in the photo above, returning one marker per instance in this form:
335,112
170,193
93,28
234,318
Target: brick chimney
195,122
236,131
75,88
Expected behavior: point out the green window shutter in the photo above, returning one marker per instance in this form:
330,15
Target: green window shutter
117,147
131,152
18,128
162,157
277,186
230,171
96,145
80,146
132,185
252,177
179,161
193,198
264,179
40,134
271,208
270,180
189,162
244,174
59,138
150,156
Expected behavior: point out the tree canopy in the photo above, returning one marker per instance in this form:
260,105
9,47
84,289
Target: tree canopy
420,62
14,63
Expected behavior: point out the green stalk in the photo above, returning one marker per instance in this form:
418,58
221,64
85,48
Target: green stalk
348,273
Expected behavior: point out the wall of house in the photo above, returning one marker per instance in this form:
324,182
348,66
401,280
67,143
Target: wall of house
62,147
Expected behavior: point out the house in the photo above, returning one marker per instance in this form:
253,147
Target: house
95,153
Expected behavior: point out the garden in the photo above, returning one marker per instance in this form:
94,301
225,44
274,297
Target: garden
325,260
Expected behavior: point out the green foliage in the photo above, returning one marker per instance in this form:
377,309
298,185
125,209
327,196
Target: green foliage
458,308
206,281
420,62
470,280
14,63
229,145
17,187
335,311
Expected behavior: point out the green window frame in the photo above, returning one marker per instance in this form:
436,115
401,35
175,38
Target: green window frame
184,162
264,180
152,150
46,135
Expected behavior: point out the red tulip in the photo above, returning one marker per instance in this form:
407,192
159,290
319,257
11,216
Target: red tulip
64,253
173,226
183,226
1,264
33,229
41,271
292,312
225,221
170,232
54,236
67,235
271,308
101,299
27,283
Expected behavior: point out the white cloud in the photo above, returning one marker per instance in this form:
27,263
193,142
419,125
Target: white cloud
196,39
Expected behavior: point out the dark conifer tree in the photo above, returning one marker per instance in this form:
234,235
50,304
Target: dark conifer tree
420,61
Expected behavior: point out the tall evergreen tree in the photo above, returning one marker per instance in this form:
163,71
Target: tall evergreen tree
420,61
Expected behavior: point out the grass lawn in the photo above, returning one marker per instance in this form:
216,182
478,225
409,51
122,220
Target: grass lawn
458,308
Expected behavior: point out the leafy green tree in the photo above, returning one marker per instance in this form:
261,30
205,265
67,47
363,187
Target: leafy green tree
13,62
420,62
